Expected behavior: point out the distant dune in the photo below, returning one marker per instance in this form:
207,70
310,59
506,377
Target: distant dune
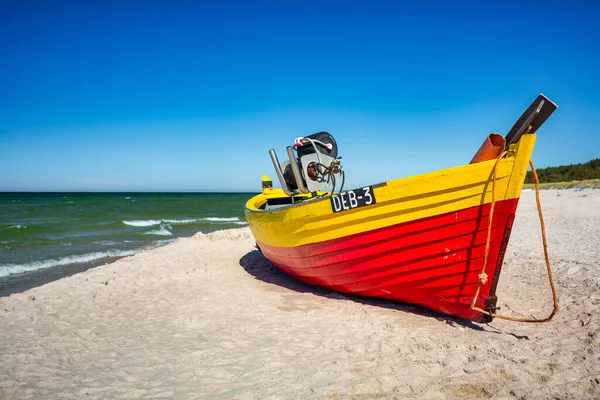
584,184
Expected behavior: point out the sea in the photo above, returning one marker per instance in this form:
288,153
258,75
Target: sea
47,236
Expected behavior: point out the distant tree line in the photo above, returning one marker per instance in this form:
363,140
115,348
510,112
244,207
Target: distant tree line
566,173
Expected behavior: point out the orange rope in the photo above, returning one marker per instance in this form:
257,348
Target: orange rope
483,276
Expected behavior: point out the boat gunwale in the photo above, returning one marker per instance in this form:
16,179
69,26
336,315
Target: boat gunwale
313,200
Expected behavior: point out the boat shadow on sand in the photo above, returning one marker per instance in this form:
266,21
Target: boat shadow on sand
260,268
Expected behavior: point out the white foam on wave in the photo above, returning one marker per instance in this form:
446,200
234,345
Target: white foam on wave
220,219
162,231
180,221
183,221
17,227
144,222
10,269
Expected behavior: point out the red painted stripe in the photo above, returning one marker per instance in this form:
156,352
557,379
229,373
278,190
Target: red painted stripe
433,261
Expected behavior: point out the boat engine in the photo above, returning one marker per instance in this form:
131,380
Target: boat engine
314,167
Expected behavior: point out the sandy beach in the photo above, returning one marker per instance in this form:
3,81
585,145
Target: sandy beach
208,317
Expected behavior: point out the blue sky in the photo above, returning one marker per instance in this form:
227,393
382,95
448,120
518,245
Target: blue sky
190,96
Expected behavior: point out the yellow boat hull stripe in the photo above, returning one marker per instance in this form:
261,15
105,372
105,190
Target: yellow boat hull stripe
398,201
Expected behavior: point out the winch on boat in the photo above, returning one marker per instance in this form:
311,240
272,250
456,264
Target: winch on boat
313,166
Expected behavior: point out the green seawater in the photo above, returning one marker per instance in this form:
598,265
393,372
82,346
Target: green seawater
40,231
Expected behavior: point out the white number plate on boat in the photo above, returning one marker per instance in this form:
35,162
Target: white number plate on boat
353,199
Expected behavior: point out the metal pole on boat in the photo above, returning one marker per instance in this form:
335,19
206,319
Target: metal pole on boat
275,160
296,171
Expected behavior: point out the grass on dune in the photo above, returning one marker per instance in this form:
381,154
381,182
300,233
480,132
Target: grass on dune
585,184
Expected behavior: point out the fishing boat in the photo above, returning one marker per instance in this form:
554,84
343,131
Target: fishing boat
421,239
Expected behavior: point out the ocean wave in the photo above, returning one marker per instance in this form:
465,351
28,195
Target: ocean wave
27,232
160,243
13,243
144,222
180,221
106,242
11,269
184,221
220,219
162,231
16,227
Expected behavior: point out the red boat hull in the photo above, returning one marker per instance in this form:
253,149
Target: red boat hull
434,261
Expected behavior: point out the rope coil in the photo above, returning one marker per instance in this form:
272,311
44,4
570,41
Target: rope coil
483,276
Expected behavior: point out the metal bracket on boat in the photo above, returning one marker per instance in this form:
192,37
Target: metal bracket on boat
530,121
490,304
296,170
279,173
